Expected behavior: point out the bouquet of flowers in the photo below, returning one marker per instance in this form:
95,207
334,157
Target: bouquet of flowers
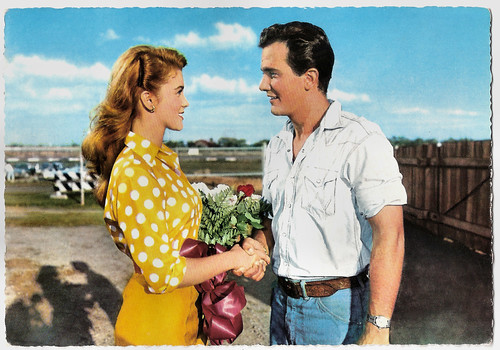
227,218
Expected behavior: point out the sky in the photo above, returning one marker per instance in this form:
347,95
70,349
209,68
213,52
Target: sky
418,72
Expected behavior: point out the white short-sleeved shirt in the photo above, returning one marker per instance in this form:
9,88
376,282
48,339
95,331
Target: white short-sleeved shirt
344,174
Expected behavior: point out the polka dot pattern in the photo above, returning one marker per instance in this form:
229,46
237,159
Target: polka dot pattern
150,210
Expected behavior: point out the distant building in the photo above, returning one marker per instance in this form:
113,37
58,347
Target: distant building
205,143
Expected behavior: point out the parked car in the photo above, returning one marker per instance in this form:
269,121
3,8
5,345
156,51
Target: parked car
21,170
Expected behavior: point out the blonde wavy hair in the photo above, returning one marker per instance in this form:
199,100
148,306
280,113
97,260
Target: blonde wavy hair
139,68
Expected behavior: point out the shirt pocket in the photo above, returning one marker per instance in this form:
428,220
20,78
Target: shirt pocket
318,195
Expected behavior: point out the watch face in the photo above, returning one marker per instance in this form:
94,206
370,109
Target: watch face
380,321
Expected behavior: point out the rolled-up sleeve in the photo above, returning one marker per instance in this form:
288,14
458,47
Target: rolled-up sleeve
374,175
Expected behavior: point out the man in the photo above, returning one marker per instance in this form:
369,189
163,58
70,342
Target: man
337,201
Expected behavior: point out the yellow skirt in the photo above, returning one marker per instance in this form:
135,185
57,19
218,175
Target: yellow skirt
157,319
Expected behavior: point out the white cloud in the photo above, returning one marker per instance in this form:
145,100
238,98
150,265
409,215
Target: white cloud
461,112
49,108
450,112
35,66
411,110
37,86
216,84
110,34
348,97
189,39
233,35
227,36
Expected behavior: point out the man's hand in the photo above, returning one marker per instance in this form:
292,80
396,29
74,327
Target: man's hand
257,271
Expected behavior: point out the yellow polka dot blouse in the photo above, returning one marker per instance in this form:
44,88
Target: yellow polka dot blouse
150,210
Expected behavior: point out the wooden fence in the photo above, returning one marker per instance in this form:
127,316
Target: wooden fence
449,190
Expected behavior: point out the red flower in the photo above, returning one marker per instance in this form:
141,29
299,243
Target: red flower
248,189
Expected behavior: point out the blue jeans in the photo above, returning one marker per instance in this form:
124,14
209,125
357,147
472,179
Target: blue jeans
334,320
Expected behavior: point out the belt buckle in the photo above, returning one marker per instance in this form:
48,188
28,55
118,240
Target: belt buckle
291,289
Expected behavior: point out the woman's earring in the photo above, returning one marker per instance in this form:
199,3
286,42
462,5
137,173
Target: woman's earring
152,110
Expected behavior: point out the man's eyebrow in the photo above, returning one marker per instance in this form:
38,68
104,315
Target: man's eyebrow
268,70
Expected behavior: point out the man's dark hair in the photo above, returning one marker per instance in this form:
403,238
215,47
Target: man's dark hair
308,47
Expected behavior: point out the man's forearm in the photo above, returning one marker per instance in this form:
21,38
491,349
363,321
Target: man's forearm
386,265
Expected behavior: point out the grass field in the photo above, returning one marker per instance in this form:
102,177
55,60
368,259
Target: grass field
219,166
29,203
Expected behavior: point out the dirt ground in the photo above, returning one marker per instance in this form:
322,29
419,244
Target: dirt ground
63,286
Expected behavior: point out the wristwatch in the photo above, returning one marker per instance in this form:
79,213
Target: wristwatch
379,321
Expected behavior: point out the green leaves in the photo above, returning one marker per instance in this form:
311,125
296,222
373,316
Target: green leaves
228,218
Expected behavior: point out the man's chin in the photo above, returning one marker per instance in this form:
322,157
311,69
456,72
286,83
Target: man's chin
277,112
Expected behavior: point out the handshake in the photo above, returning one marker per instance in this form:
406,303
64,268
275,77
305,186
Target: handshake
252,258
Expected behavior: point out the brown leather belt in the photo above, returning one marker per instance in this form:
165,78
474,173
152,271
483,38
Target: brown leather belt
322,288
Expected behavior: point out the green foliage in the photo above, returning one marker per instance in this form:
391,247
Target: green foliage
231,142
228,218
403,141
174,144
260,143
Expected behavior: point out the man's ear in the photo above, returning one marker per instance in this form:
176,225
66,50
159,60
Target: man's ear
311,77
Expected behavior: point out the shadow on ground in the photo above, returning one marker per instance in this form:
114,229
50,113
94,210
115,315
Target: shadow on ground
60,314
445,298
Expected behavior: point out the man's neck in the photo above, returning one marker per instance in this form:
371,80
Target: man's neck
308,120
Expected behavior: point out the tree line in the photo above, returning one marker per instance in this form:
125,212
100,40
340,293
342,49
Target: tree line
235,142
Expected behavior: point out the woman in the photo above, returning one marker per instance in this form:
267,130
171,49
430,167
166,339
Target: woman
149,206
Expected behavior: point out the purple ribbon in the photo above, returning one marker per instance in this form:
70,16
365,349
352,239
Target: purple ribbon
221,300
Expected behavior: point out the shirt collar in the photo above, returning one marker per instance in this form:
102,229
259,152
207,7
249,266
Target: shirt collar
143,147
331,120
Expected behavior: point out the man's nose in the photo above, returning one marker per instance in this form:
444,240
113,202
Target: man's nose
264,84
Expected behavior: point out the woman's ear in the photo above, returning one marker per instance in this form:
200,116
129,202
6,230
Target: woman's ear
311,77
147,101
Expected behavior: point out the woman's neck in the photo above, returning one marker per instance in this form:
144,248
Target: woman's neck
148,127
